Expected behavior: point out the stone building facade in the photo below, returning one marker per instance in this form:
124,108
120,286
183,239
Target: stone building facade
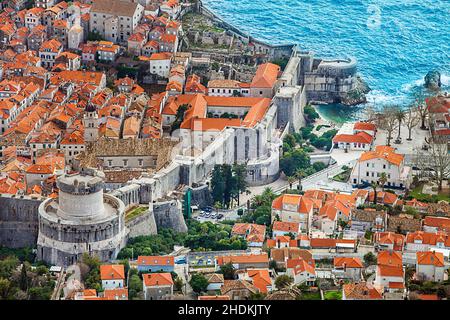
82,220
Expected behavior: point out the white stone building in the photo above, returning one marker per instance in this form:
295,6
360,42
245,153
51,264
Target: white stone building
115,20
383,159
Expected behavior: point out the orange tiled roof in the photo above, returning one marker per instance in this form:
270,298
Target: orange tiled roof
360,137
248,258
430,258
348,262
389,258
266,76
364,126
112,272
155,260
285,226
116,294
361,291
383,152
157,279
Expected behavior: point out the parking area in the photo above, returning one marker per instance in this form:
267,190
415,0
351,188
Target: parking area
214,215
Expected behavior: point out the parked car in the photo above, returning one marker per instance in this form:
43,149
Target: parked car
207,214
219,216
202,213
180,260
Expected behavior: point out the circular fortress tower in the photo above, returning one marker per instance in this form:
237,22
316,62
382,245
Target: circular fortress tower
82,219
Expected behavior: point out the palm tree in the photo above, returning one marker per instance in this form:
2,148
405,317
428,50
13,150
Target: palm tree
217,206
290,180
374,186
382,180
400,115
300,174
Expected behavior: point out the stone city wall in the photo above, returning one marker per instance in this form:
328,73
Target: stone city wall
18,220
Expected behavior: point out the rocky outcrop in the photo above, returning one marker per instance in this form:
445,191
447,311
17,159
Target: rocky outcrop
356,95
433,80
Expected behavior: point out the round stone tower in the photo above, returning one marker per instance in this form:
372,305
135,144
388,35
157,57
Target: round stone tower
82,219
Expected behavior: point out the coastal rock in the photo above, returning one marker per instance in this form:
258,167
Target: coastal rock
433,80
358,94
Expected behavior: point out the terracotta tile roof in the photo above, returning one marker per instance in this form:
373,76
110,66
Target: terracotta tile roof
260,279
398,240
169,38
303,266
395,285
428,297
157,279
304,205
389,258
383,152
136,37
282,254
348,262
428,238
112,272
286,226
39,169
161,56
214,277
193,84
52,45
116,294
439,104
441,223
390,271
232,84
248,258
384,197
156,260
266,75
360,137
364,126
430,258
403,223
361,291
233,285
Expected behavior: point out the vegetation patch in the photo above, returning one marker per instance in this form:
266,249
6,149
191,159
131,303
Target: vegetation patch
135,213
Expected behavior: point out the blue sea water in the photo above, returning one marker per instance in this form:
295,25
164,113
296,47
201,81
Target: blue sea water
396,42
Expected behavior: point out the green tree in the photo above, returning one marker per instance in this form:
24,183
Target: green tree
292,161
400,115
374,186
134,286
382,180
179,284
291,180
310,113
228,271
217,184
240,173
179,117
23,282
5,289
370,259
283,281
198,283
